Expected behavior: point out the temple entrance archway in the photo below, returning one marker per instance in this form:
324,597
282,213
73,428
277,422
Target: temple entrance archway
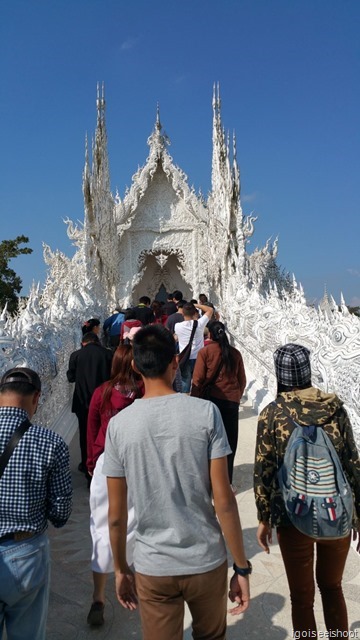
160,273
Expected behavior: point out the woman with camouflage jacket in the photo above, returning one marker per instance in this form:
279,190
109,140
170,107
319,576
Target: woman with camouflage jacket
298,401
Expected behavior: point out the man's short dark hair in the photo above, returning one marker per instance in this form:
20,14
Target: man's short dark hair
144,300
89,338
181,304
177,295
20,380
130,314
189,310
153,348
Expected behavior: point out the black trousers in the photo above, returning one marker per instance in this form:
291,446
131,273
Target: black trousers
82,416
230,415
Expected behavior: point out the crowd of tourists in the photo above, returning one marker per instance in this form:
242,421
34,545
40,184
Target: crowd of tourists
157,389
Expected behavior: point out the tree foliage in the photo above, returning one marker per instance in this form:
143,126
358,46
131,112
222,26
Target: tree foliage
10,283
355,310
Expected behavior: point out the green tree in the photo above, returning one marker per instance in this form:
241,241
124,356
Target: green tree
355,310
10,283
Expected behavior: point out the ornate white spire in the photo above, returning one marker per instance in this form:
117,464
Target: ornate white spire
158,123
235,172
100,167
86,186
218,141
99,225
221,179
100,102
158,140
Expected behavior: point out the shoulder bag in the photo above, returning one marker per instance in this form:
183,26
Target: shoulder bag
184,355
14,440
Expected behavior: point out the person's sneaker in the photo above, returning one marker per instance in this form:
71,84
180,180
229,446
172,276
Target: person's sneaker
96,614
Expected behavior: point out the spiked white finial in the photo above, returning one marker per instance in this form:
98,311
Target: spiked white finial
158,123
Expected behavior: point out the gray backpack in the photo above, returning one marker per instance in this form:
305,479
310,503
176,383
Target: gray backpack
316,492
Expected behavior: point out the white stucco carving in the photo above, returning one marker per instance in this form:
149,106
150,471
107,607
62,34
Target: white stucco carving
163,236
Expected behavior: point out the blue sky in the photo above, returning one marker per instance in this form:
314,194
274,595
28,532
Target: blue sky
289,74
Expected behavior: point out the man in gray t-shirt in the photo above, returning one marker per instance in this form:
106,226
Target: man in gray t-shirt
170,452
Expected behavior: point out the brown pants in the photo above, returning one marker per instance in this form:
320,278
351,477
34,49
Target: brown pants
297,551
162,600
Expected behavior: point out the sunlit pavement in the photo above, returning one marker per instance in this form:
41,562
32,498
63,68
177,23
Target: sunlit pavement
268,617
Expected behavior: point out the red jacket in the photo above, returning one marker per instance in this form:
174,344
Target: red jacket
127,325
98,421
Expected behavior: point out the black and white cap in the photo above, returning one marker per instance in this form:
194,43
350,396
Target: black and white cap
292,365
21,374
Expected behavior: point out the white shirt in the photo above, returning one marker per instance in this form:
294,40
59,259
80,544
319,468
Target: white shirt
183,332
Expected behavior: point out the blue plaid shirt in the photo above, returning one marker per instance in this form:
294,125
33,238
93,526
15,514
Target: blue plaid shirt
36,484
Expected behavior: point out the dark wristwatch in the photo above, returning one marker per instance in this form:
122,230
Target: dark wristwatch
243,572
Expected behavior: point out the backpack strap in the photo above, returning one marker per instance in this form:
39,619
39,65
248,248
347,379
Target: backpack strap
187,349
14,440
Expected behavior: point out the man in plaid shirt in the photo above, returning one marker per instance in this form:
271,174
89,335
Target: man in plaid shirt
35,487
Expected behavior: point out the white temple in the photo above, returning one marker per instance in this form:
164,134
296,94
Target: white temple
163,236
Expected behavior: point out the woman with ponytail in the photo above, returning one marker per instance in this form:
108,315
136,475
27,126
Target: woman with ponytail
219,376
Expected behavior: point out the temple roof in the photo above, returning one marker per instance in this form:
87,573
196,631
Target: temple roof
158,142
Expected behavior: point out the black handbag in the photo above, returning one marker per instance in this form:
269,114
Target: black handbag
184,355
14,440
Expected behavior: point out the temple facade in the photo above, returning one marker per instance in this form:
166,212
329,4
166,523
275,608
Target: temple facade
162,236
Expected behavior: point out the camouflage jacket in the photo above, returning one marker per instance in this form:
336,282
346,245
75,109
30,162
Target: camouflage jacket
307,407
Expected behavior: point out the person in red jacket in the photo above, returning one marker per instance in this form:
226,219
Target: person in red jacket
129,323
107,400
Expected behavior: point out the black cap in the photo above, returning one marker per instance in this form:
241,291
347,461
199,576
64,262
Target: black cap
21,374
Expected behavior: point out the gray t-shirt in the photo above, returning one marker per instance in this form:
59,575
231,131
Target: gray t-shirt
163,446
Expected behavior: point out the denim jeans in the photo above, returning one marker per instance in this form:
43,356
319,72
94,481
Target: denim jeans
24,588
186,375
